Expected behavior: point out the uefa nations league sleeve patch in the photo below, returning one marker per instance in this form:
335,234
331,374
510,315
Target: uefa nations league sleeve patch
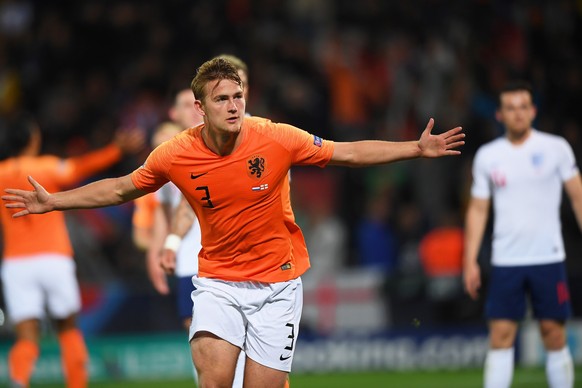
317,141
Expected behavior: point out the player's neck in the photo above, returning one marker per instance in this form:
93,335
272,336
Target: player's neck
32,149
518,137
221,143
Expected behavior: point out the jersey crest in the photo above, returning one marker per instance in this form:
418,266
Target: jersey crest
256,166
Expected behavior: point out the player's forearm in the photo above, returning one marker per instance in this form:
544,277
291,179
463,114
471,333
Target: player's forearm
106,192
373,152
574,191
577,207
475,223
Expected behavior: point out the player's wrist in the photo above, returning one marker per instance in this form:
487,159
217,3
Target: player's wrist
172,242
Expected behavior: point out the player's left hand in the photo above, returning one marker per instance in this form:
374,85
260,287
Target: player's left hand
156,274
168,261
434,146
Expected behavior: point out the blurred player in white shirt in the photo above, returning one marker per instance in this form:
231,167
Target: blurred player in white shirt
523,172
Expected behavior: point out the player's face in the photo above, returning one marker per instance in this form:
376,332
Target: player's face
223,106
516,112
183,112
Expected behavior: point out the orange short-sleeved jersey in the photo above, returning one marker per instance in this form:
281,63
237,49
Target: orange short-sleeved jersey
45,233
247,230
143,211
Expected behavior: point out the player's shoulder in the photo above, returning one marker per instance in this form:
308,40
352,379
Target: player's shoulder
16,169
547,138
259,124
33,163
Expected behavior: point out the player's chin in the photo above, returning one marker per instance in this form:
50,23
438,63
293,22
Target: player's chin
233,126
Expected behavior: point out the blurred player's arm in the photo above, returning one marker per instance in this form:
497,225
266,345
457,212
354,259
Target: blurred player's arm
573,188
75,169
183,219
159,231
102,193
373,152
475,223
181,222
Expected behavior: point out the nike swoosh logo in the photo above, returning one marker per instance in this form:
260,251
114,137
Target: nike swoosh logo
192,176
283,358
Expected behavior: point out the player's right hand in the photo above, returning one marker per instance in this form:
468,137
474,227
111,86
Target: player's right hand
32,202
472,279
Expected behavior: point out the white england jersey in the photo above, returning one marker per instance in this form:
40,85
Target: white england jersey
187,255
525,182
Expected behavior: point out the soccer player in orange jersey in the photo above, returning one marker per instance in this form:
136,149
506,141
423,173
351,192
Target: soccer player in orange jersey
182,244
231,170
38,270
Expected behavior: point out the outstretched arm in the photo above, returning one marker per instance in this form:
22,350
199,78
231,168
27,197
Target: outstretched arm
106,192
371,152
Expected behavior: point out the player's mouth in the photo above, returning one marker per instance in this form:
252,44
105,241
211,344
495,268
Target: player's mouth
232,120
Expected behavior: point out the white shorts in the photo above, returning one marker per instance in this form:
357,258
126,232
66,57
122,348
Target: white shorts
34,283
260,318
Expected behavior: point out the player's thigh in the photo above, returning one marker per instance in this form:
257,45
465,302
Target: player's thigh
61,287
506,295
214,358
550,297
23,292
273,317
260,376
216,310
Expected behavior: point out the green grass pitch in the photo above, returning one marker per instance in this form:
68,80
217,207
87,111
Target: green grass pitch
530,378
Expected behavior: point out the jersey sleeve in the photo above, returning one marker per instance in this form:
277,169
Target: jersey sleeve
481,187
154,173
567,161
305,148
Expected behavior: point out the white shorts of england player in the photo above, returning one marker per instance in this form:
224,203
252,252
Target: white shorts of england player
35,283
260,318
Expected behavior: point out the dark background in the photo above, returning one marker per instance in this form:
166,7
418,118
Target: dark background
344,70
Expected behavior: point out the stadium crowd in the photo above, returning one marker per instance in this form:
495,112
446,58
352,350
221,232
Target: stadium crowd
343,70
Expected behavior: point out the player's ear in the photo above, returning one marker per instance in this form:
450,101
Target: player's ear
199,106
498,115
534,111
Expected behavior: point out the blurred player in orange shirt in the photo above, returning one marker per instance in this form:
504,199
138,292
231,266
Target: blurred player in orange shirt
231,169
38,270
